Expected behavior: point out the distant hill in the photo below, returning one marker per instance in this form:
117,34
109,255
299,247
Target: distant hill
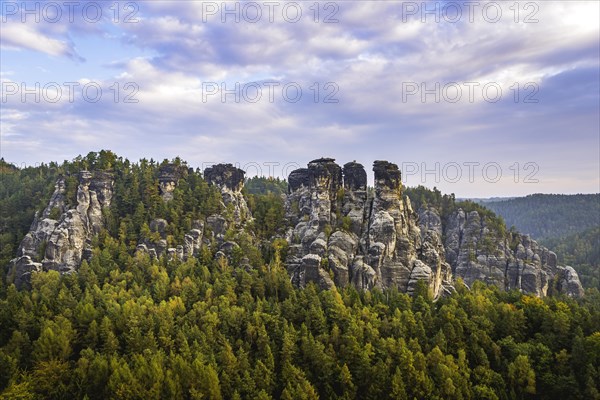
486,199
547,216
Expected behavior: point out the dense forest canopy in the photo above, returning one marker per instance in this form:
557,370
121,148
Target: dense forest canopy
548,216
128,326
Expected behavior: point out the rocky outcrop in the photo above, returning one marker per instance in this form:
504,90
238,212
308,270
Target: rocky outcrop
60,243
34,242
311,206
76,227
433,252
359,240
224,228
568,282
157,246
472,250
393,236
230,181
510,261
354,205
168,178
192,241
64,249
217,227
22,267
225,175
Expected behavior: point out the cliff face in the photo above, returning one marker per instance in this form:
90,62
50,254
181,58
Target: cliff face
342,236
60,244
512,262
66,244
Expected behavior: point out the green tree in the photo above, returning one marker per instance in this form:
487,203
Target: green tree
521,377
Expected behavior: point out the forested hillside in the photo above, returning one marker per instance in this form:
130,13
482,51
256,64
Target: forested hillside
226,321
546,216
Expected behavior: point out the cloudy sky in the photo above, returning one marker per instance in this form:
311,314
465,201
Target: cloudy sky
477,98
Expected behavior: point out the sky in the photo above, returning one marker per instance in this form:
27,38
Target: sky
477,98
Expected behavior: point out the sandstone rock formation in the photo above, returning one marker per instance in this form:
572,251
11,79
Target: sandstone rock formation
230,180
568,282
21,269
59,244
340,233
34,242
168,177
476,252
358,239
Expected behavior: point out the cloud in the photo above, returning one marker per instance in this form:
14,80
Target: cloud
370,54
23,36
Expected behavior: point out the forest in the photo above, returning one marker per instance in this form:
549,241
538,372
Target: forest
127,326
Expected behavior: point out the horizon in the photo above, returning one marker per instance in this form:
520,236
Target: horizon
274,167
